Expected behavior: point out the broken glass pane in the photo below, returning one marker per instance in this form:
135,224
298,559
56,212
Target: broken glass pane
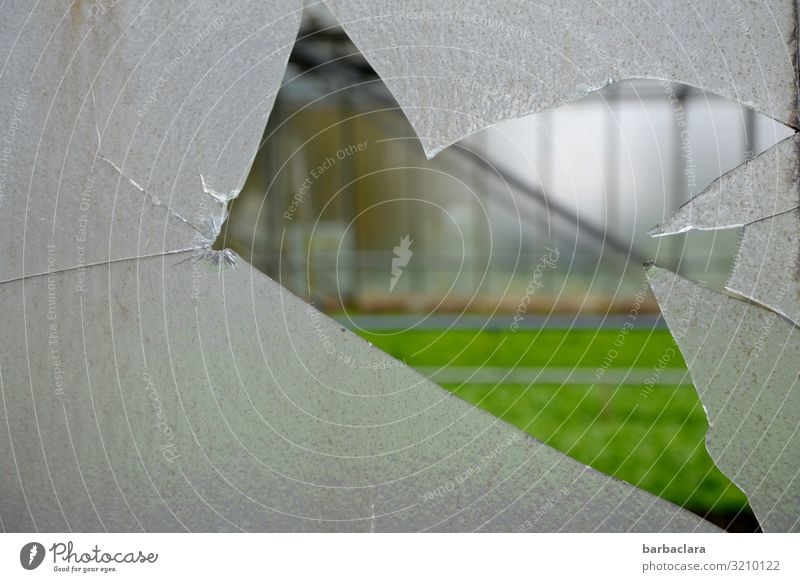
156,384
327,224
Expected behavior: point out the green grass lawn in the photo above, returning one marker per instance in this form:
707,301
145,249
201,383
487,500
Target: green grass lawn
549,347
653,439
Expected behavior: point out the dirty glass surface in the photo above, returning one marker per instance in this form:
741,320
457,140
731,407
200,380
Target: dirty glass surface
768,264
127,127
181,395
744,361
151,383
762,187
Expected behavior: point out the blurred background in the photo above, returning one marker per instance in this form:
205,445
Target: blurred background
508,269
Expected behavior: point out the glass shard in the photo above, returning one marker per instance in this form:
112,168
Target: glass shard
113,114
154,384
744,363
457,67
175,393
761,187
768,264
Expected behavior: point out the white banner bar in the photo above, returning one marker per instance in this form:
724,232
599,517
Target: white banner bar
354,557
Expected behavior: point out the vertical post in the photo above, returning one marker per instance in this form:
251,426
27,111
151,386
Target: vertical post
612,150
679,192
